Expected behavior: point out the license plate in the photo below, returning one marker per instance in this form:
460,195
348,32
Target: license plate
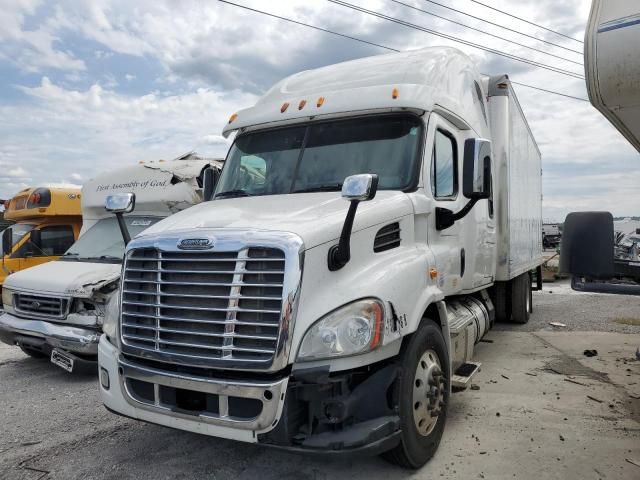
62,359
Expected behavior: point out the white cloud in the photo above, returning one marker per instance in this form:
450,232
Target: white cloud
220,57
77,133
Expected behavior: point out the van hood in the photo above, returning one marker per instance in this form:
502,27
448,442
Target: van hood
316,217
64,278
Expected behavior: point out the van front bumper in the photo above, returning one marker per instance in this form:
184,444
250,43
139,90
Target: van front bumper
47,335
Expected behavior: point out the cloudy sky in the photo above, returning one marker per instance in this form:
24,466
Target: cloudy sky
90,86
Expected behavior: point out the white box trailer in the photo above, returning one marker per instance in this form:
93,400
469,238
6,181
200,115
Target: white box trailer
57,309
409,195
518,190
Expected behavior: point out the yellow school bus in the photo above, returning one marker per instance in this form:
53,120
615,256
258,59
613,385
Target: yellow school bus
47,222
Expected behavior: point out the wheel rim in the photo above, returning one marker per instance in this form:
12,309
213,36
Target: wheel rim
428,392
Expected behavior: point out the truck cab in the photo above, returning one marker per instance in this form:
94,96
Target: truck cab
372,220
56,310
47,220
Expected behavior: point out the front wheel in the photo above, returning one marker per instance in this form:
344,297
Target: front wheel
423,396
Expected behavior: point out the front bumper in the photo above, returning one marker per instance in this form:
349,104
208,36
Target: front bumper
145,393
40,333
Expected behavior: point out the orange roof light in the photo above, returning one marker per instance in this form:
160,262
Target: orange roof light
395,93
302,104
284,107
320,102
233,117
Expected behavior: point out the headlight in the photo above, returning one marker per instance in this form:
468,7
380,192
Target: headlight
7,297
349,330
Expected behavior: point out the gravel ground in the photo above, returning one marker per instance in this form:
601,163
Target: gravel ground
579,311
527,421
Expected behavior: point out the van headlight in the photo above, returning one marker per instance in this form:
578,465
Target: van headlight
7,297
349,330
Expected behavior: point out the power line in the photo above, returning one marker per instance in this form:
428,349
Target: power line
290,20
582,99
487,33
502,26
459,40
308,25
527,21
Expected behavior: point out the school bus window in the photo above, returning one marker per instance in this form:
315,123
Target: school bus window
56,240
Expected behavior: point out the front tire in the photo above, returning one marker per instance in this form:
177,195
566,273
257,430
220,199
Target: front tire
423,396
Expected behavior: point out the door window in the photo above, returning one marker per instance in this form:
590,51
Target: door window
444,166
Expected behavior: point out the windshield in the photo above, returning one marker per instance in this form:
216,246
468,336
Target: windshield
18,231
318,157
104,241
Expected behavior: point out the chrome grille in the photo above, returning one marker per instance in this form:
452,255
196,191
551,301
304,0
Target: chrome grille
40,306
218,306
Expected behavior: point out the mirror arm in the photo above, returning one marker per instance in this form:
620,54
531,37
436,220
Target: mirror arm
465,210
123,228
339,255
445,218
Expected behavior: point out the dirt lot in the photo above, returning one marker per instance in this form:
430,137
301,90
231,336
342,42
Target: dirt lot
543,410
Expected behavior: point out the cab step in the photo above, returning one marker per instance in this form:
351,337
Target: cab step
461,378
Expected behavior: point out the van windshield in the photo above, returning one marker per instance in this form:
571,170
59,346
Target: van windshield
103,241
18,231
318,157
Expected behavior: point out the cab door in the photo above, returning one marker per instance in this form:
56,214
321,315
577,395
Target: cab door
443,174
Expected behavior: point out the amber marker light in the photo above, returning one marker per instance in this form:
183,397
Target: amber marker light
233,117
302,104
320,102
284,107
395,93
433,273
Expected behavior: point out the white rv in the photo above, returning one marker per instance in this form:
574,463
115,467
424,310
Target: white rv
286,313
56,309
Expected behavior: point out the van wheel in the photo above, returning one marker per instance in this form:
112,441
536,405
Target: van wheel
33,352
521,298
423,396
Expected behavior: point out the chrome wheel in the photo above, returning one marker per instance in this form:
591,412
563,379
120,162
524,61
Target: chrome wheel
428,392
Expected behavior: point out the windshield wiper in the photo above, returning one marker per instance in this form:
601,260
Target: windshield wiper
232,193
320,188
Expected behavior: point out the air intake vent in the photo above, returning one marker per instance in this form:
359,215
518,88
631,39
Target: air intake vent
388,237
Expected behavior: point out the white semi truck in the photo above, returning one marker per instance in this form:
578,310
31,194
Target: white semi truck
56,309
287,314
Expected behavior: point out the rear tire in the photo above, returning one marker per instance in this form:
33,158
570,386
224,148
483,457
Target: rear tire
521,298
33,353
423,396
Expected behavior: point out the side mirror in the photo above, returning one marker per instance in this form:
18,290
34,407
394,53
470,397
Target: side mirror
209,180
120,203
356,189
35,237
7,237
586,248
361,187
476,170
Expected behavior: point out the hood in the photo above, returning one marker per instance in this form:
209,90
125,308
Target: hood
316,217
77,279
